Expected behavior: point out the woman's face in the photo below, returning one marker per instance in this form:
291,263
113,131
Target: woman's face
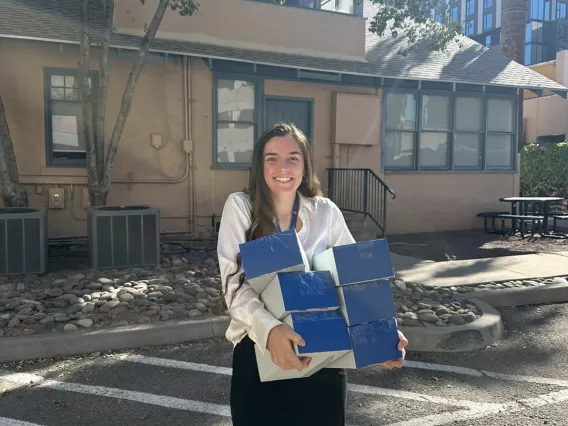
283,164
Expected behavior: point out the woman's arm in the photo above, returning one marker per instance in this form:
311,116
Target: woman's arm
244,304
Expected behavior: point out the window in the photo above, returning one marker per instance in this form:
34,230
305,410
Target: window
469,27
487,21
534,54
487,4
235,118
488,40
453,14
560,10
341,6
539,9
469,7
442,130
65,141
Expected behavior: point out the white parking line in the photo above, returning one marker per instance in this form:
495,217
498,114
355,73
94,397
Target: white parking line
369,390
4,421
481,373
143,397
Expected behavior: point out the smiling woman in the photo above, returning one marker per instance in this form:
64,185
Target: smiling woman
284,193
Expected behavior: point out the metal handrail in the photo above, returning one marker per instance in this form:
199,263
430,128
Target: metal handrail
360,190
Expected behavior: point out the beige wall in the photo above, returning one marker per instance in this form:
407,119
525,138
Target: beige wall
157,108
431,202
547,115
238,23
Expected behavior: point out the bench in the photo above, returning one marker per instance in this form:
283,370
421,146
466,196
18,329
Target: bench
536,221
556,217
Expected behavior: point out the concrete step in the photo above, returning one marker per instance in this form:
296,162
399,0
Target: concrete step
362,228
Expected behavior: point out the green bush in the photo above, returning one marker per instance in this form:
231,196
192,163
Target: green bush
544,170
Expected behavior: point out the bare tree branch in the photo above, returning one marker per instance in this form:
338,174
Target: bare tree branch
129,91
103,88
13,193
84,62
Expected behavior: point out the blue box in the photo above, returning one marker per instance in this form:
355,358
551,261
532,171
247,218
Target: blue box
264,257
367,302
300,291
356,263
373,343
322,332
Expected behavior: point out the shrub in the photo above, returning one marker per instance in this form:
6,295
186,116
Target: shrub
544,170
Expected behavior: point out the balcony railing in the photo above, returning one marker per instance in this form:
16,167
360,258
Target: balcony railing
348,7
360,191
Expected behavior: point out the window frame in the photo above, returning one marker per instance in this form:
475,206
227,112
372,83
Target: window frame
485,97
50,161
258,114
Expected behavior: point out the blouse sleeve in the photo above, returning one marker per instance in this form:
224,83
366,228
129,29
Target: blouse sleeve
244,304
339,233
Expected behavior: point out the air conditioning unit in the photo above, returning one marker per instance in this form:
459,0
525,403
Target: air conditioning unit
123,236
23,241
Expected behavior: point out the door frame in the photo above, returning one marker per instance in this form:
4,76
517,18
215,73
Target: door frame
310,101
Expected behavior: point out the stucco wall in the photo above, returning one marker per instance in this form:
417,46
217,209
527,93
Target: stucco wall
251,24
429,202
157,107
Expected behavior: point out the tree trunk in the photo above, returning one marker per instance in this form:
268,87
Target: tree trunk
514,17
13,193
97,197
129,92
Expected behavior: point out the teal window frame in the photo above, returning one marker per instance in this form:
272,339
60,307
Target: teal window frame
453,95
258,115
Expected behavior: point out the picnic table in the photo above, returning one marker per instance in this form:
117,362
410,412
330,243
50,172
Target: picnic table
523,203
534,210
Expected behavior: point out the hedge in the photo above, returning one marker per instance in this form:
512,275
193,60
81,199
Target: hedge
544,170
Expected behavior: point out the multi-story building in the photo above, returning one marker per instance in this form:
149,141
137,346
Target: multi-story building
546,29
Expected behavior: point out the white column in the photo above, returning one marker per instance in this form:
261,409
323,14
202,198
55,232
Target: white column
498,9
479,16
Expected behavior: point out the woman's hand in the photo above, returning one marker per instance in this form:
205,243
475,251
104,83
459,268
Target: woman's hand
279,344
397,363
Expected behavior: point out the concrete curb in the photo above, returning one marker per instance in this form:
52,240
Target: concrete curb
479,334
127,337
518,296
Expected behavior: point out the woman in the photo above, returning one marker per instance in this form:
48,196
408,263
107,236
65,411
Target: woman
282,177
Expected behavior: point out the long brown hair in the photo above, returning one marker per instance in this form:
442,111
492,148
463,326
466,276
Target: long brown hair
262,212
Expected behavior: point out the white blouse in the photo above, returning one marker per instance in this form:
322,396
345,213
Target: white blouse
323,227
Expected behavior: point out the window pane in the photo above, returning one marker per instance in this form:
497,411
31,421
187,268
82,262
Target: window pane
57,81
235,100
235,142
399,150
498,150
71,94
65,134
467,150
57,93
500,115
401,111
435,112
468,114
434,150
70,81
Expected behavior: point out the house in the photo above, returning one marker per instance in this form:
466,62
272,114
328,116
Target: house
438,129
544,113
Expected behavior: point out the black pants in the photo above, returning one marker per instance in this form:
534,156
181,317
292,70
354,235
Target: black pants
318,400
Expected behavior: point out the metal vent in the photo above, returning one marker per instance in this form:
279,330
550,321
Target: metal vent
23,241
123,236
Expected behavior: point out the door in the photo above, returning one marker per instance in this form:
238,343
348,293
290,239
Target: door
289,110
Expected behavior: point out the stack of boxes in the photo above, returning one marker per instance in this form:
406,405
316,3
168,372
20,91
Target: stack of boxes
342,306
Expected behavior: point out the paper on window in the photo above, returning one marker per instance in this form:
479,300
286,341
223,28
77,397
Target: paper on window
65,132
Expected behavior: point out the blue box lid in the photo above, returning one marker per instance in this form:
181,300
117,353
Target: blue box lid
271,254
375,342
322,331
364,261
368,302
308,290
